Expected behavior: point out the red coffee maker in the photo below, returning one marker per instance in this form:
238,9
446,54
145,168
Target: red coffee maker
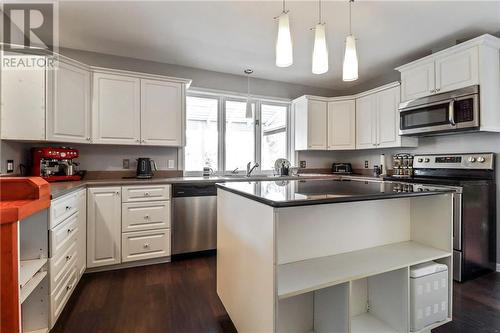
55,163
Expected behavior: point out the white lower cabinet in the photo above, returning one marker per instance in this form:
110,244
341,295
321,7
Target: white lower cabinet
149,244
67,236
103,226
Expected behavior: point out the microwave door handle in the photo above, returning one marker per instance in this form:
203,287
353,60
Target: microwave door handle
451,112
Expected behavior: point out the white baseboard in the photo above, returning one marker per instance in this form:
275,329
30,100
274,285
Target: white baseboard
129,265
498,267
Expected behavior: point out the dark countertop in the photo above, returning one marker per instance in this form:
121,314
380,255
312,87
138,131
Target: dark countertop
313,191
59,189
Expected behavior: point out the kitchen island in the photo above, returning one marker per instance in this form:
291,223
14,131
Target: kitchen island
327,255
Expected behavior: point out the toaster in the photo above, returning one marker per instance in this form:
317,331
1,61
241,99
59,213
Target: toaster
344,168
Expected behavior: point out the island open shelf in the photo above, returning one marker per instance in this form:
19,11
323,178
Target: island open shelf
312,274
330,267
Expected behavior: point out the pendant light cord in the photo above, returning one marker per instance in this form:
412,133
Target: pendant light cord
284,9
319,11
350,17
248,87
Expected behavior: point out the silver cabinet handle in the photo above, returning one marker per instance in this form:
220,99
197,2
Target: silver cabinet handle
137,140
68,207
68,258
146,194
117,193
146,245
70,231
146,217
69,286
438,89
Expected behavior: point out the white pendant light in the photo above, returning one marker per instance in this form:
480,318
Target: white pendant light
320,50
284,50
350,67
249,111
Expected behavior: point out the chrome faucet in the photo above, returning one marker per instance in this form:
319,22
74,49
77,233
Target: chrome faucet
250,169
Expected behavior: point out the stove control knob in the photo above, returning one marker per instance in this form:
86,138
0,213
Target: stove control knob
420,160
472,159
481,159
427,160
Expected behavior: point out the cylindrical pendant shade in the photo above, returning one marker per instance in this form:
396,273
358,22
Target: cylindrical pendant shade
350,68
249,111
320,51
284,52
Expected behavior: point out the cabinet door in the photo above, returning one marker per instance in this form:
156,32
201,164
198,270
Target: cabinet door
103,226
23,104
458,70
69,119
418,81
388,118
342,125
366,131
316,125
161,113
116,109
81,261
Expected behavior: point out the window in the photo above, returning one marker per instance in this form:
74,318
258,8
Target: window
273,134
240,136
220,136
201,133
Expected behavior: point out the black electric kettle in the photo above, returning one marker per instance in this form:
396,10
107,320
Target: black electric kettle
145,167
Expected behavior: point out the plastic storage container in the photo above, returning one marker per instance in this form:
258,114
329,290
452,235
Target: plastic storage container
428,294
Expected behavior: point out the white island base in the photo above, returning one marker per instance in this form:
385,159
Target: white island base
338,267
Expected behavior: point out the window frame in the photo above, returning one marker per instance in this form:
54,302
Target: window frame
221,98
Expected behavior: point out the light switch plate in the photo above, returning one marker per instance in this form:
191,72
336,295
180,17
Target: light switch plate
303,164
366,164
171,164
126,163
10,166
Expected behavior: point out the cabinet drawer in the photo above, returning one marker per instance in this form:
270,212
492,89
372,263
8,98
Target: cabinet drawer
61,295
61,264
145,244
145,193
138,216
61,208
64,233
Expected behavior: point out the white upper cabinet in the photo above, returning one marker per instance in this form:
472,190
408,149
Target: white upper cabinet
310,123
69,119
162,106
453,68
366,129
388,118
457,70
23,103
341,125
377,120
103,226
116,109
418,81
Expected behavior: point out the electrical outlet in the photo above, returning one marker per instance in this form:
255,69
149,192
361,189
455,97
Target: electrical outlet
126,163
366,164
171,164
303,164
10,166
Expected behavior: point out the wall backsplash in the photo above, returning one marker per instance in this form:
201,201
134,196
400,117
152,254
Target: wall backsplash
93,157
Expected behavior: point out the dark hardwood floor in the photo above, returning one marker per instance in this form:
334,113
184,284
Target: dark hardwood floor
181,297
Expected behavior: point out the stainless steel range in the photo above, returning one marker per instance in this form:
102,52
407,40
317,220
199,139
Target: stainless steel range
474,231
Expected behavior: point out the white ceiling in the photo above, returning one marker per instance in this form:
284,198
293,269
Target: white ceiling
229,36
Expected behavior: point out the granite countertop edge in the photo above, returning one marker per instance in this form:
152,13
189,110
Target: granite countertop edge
310,202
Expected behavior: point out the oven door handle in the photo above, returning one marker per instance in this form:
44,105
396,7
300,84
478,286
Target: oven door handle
451,112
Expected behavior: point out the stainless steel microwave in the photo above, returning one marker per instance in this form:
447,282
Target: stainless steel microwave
457,110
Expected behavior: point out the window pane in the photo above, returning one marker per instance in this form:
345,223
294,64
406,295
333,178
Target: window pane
273,135
201,133
240,139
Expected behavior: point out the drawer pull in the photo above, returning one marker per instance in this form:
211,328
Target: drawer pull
68,258
146,217
146,246
146,194
68,207
70,231
69,286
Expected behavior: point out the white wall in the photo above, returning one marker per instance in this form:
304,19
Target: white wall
92,157
458,143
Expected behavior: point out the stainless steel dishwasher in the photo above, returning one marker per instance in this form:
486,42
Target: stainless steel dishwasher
194,218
